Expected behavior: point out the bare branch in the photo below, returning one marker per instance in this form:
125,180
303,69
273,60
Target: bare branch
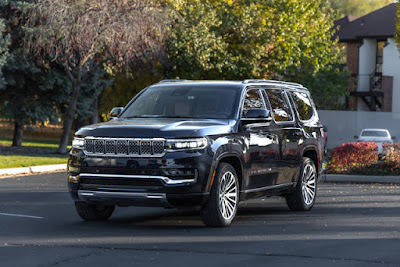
76,31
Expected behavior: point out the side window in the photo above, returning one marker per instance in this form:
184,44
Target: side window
252,99
303,105
279,105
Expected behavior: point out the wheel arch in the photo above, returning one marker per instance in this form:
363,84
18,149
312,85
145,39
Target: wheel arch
311,152
232,159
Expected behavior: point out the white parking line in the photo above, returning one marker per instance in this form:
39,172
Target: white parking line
21,215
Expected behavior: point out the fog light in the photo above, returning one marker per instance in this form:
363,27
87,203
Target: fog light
73,179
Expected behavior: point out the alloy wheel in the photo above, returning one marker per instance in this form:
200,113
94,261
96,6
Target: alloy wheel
308,184
228,195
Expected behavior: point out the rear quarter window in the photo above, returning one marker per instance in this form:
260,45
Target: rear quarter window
303,105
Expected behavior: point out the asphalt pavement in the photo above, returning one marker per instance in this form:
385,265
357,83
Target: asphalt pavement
350,225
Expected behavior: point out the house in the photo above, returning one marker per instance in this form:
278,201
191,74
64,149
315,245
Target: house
373,59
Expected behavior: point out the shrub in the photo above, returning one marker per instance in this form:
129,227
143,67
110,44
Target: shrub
350,156
362,158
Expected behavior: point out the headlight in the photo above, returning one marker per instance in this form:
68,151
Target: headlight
186,144
78,143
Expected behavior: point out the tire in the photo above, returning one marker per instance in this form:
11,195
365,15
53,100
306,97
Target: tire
304,195
221,207
90,212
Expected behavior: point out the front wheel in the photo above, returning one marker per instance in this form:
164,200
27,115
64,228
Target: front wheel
90,212
303,197
222,205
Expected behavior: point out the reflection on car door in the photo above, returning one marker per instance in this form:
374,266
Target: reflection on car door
262,144
290,135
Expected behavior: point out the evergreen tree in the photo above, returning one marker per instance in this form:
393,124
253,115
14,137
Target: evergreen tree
3,50
29,95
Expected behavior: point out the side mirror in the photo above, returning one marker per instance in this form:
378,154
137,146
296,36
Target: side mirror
258,114
114,113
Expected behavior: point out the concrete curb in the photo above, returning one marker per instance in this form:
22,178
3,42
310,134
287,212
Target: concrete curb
33,170
360,178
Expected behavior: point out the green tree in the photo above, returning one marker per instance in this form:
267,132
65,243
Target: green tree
283,39
397,35
27,96
355,7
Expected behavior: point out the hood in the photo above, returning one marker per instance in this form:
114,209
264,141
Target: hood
158,128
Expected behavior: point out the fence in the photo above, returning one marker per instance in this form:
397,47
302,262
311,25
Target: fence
344,125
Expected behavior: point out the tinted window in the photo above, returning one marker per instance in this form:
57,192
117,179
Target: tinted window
372,133
184,102
279,105
303,105
252,99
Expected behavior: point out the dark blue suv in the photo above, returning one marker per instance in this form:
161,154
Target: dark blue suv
207,144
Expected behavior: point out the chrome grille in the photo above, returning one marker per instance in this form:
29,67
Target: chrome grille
99,146
124,146
158,147
134,147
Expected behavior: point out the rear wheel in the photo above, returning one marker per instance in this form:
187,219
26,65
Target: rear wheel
303,197
221,207
90,212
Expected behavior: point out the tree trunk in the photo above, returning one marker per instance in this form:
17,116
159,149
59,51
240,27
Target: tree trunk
95,115
69,118
18,133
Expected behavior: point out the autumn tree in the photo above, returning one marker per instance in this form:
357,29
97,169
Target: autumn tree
235,40
82,35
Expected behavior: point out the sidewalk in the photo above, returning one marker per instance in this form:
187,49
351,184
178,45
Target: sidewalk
8,173
360,179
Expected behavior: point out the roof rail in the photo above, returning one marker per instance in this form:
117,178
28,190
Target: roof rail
173,80
271,81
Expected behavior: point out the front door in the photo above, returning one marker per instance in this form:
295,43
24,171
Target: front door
262,146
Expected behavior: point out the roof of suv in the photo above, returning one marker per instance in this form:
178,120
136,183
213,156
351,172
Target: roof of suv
240,84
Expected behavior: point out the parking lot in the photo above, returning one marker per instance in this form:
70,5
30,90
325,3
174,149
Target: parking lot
350,225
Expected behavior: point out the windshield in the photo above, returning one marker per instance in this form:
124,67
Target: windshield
374,133
205,102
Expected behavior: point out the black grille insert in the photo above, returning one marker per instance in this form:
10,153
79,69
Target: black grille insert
125,146
118,182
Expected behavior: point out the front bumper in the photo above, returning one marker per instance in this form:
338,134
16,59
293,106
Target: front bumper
176,179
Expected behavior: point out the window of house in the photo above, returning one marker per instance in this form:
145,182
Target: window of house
303,105
279,104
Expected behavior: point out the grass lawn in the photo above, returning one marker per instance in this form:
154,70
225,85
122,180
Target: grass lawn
11,161
28,157
33,143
